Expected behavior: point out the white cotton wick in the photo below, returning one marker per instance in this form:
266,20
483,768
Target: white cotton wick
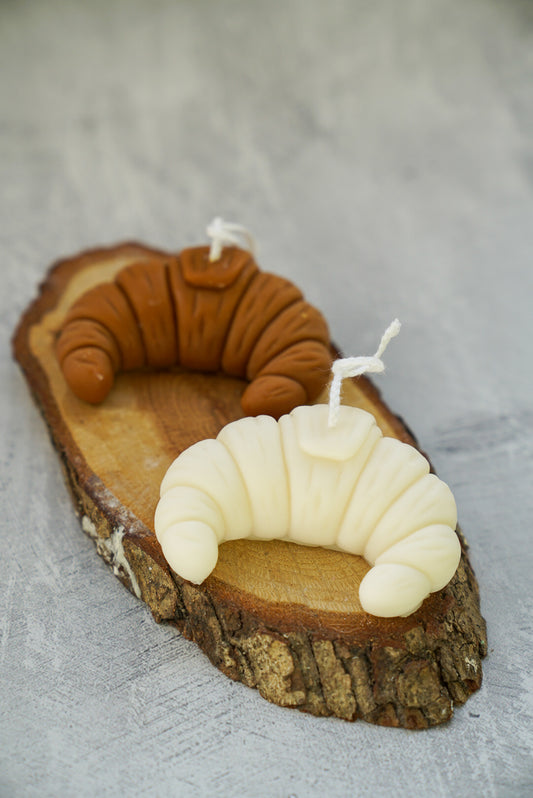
354,367
227,234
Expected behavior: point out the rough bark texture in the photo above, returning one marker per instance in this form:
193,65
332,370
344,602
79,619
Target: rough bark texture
405,672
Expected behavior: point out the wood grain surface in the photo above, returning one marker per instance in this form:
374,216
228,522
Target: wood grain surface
264,601
382,158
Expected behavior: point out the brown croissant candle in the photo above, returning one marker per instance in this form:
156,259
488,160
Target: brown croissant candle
224,315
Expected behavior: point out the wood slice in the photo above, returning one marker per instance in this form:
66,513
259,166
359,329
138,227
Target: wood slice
283,618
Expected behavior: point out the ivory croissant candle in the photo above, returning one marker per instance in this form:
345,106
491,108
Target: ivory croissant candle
344,486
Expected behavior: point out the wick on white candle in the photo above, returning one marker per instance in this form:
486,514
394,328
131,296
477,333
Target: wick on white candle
224,234
354,367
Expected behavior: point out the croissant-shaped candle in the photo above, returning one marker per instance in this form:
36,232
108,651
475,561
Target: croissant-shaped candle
345,487
202,314
321,476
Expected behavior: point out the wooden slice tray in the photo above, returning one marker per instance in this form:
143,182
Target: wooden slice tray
279,617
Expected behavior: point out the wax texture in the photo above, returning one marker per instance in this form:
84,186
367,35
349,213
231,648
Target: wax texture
345,487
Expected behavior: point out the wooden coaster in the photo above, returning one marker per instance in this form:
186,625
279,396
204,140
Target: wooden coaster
283,618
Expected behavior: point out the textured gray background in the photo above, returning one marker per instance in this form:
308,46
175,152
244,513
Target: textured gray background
382,154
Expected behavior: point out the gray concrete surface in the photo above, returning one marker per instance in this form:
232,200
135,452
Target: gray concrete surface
382,154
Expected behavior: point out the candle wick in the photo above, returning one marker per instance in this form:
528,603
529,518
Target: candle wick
224,234
355,366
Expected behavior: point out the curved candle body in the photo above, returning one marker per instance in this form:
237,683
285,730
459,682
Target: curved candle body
345,487
186,310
